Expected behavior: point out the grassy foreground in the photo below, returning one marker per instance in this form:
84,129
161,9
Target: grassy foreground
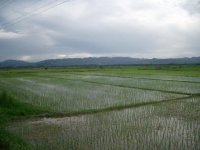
10,110
60,92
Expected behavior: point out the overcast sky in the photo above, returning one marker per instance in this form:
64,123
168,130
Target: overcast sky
33,30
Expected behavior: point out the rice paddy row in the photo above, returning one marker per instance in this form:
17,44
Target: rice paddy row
99,110
66,96
160,126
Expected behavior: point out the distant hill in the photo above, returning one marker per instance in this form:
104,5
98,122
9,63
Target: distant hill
98,61
14,64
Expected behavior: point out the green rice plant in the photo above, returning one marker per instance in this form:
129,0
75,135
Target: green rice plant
66,96
161,126
110,108
140,76
11,109
159,85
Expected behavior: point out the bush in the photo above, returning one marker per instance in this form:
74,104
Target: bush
5,100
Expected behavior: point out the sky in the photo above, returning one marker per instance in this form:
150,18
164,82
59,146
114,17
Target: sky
34,30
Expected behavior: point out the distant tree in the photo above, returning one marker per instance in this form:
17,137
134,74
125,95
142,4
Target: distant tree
101,67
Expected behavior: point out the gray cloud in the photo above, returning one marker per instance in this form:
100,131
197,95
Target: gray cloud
192,6
81,28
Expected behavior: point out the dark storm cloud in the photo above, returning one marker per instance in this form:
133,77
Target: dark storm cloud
82,28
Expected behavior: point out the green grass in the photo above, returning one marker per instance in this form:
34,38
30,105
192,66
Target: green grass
173,70
10,110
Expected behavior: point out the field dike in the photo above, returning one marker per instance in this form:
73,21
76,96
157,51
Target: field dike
167,123
125,128
118,85
114,108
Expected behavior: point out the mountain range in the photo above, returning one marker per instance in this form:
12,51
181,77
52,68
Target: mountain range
100,61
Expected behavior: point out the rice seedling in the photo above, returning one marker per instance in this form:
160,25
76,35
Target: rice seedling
67,96
170,86
100,109
147,127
